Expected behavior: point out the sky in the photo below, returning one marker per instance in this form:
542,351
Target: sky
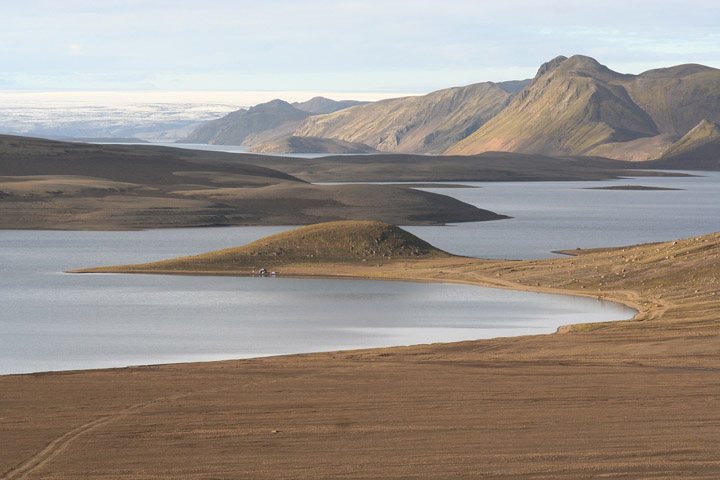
361,46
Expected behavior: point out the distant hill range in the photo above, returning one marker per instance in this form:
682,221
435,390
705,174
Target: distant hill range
263,122
573,106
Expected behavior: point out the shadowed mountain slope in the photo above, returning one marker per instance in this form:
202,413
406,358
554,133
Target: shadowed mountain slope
702,134
233,128
678,98
702,156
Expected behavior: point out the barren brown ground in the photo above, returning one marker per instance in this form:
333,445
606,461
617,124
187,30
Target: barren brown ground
634,399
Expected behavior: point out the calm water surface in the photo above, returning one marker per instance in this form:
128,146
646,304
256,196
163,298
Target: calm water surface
551,216
55,321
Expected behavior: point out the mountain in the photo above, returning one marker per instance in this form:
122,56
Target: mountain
514,86
702,134
263,122
701,155
232,129
293,144
573,106
321,105
576,106
423,124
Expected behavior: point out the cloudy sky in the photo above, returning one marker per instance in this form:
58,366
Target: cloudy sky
336,45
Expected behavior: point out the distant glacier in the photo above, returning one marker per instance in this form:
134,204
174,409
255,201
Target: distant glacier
59,116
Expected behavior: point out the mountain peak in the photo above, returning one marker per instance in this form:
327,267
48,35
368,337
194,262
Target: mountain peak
579,65
583,61
550,66
276,103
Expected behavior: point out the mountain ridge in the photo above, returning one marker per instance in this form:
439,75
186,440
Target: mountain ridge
577,106
573,106
421,124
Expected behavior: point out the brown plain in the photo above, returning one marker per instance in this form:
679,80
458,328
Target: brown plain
632,399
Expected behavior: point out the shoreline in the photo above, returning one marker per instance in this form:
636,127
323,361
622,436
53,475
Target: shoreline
482,284
636,399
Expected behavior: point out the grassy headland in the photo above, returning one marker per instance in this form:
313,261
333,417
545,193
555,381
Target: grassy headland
649,277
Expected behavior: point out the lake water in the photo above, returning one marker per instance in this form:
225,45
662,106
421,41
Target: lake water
551,216
55,321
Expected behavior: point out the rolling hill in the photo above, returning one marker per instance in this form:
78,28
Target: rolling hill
333,242
46,184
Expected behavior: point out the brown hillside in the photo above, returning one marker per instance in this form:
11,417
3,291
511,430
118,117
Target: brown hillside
702,156
423,124
703,133
678,98
573,105
48,184
232,129
343,242
576,106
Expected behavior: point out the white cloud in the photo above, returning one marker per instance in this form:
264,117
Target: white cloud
360,44
74,49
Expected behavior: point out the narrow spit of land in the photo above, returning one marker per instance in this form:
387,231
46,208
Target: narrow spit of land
632,399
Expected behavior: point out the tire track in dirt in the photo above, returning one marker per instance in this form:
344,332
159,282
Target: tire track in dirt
60,444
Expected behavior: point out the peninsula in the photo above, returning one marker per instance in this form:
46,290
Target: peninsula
635,399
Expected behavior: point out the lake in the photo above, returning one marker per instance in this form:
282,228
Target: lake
56,321
551,216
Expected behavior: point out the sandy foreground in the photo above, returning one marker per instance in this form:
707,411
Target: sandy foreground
635,399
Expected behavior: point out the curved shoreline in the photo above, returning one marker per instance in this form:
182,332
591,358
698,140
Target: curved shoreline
361,273
544,328
634,398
